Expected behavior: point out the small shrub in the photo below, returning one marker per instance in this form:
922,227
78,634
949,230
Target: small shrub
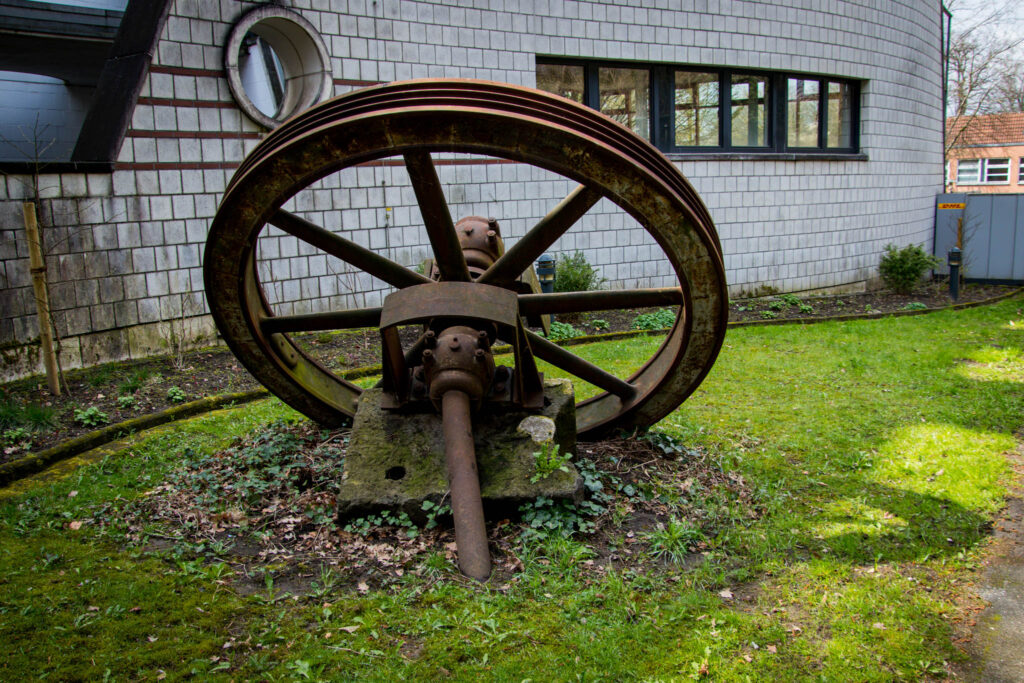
902,269
91,417
175,395
434,511
547,461
776,305
769,315
100,376
575,274
673,540
364,525
126,402
915,306
31,416
599,324
667,444
134,381
14,440
38,417
806,308
10,413
560,330
790,299
547,518
658,320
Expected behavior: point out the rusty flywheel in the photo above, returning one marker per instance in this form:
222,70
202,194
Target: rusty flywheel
410,121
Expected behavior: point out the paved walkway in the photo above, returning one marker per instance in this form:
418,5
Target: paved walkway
998,643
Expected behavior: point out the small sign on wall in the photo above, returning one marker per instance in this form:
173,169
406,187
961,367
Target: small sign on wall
952,205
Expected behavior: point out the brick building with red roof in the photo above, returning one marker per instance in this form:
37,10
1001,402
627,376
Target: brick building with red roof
986,153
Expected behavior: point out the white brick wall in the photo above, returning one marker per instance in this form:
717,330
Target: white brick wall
793,225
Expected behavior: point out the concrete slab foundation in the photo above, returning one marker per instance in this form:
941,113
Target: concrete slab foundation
396,461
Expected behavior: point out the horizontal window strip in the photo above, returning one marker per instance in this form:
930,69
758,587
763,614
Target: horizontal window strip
186,71
356,83
194,134
230,165
202,104
705,109
175,166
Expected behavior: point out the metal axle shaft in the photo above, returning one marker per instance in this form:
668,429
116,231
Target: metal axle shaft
467,507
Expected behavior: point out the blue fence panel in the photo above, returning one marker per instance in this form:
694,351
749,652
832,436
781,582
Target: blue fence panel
991,228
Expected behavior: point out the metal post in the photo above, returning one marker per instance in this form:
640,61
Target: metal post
954,258
467,507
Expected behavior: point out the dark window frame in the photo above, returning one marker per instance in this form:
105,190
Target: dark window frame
662,85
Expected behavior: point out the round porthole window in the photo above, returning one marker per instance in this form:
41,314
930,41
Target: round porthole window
277,65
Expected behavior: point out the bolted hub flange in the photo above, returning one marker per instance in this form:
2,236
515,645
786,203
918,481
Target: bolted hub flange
460,360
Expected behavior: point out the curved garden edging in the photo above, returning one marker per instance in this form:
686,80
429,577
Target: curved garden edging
37,462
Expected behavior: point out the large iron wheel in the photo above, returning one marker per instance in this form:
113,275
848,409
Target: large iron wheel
412,121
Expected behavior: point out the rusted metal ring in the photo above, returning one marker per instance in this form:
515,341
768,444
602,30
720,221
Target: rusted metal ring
476,117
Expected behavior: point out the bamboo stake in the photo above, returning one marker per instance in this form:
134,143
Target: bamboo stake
38,269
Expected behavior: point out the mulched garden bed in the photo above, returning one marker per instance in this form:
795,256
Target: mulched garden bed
268,502
114,392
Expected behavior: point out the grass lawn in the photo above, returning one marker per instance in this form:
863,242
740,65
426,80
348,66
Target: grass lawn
875,451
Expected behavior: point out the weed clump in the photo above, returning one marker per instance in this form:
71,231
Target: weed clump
658,320
32,417
560,330
91,417
902,269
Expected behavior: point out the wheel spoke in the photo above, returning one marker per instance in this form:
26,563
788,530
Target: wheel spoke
436,217
584,369
315,322
607,300
348,251
524,252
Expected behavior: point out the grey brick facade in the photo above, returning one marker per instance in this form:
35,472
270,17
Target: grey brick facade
124,248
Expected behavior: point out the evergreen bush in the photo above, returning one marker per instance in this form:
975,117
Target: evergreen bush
575,274
902,269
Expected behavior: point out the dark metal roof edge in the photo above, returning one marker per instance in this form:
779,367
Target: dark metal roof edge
31,167
121,80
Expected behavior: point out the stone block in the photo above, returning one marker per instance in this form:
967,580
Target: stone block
396,460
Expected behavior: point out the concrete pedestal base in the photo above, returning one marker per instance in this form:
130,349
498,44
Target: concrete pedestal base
396,461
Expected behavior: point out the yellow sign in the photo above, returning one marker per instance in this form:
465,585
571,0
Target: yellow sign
952,205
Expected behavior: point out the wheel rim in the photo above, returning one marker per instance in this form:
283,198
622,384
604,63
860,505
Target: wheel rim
474,117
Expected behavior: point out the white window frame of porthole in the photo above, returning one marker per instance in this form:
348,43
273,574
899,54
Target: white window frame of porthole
297,58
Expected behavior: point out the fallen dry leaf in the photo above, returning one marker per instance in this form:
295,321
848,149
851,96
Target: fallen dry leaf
725,593
75,525
772,649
